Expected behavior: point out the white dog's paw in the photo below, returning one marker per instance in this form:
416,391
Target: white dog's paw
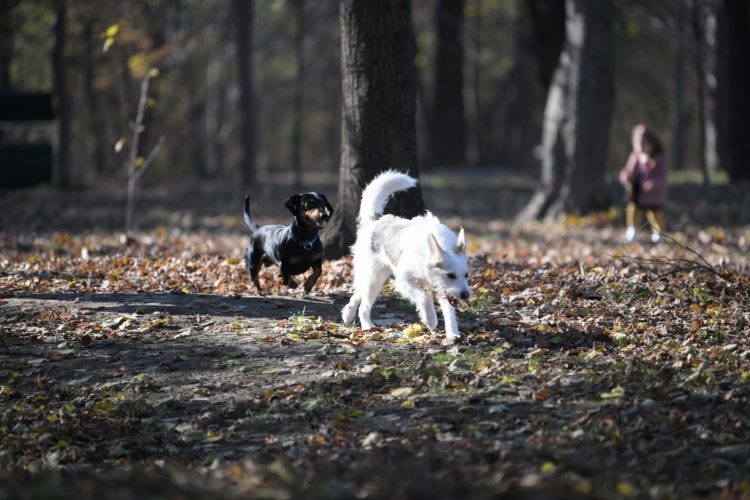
347,314
450,340
429,318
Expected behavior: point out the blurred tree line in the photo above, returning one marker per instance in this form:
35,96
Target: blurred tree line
251,89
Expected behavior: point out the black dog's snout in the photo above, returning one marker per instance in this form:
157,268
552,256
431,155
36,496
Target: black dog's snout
465,295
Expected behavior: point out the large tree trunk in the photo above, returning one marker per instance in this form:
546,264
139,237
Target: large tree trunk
710,22
733,83
546,36
678,97
6,41
698,37
449,126
96,123
540,38
378,112
243,12
297,100
577,116
62,174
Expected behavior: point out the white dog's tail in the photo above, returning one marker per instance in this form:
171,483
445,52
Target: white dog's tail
376,194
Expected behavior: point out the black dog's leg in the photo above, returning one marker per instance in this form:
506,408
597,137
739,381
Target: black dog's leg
313,278
253,258
289,281
287,278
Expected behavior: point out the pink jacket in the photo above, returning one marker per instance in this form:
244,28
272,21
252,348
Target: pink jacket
652,190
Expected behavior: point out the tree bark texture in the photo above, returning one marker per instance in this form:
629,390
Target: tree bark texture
97,125
62,176
298,98
546,35
378,113
243,11
577,115
733,83
6,41
449,126
678,93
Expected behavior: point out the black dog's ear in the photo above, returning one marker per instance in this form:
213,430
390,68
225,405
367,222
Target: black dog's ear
329,207
293,203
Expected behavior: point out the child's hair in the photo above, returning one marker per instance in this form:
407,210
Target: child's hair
650,137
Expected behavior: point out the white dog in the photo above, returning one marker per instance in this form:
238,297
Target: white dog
420,252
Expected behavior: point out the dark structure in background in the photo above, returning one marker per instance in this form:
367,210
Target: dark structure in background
449,122
379,110
26,127
61,174
242,11
733,82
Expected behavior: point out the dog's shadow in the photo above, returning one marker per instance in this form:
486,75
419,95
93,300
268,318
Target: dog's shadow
142,303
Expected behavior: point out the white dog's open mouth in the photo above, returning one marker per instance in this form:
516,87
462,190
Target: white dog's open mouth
452,300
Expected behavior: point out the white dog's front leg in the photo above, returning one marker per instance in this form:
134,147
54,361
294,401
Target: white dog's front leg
421,299
449,317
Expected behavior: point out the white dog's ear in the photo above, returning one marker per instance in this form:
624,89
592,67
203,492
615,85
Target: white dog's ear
436,253
461,241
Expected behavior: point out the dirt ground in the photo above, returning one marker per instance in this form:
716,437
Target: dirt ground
586,368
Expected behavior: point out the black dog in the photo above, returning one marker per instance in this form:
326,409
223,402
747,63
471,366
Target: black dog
294,248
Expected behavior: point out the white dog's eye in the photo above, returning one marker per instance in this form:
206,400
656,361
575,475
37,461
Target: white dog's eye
451,276
466,275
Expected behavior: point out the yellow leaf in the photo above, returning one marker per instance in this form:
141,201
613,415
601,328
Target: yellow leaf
402,392
626,489
413,330
407,404
112,30
548,467
233,261
153,72
139,161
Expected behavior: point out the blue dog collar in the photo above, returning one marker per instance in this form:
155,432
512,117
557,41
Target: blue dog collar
307,245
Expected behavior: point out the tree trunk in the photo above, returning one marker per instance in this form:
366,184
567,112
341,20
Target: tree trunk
449,126
541,32
678,97
700,97
734,82
546,36
243,12
299,85
97,127
577,116
6,41
709,75
378,112
62,174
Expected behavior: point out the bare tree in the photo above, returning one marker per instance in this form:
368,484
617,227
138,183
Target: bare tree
577,115
379,110
137,165
299,85
243,13
678,92
449,123
733,85
62,175
6,41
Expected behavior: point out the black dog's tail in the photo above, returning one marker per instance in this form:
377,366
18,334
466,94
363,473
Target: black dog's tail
249,218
